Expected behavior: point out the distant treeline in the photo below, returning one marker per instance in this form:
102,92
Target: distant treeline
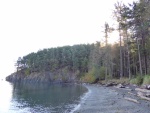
84,58
73,57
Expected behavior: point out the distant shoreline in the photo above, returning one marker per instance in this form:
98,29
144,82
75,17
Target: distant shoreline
110,100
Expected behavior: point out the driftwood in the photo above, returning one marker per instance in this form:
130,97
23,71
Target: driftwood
131,93
120,86
132,100
142,90
143,93
145,98
140,94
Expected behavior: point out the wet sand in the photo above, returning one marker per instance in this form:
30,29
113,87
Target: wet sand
101,99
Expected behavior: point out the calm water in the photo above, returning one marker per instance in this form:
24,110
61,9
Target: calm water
43,98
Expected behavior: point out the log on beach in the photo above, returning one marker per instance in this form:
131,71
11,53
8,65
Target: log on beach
145,98
142,90
143,93
132,100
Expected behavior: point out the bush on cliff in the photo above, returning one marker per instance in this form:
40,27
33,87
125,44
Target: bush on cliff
27,72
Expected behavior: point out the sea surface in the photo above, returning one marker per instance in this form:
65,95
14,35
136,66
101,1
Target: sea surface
39,98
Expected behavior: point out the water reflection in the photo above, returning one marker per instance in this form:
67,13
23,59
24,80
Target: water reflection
5,96
45,97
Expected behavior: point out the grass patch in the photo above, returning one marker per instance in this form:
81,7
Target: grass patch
138,80
146,80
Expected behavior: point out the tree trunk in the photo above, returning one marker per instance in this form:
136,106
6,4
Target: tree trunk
141,73
121,67
128,55
106,52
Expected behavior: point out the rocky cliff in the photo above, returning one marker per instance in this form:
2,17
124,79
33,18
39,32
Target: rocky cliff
44,77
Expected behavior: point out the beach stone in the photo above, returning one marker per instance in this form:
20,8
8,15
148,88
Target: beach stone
148,87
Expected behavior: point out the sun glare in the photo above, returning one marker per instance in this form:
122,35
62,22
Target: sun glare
113,38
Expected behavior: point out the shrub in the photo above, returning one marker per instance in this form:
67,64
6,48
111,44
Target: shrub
93,74
88,78
146,79
138,80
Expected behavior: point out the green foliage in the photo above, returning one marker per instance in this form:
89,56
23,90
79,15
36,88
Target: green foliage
102,72
74,57
141,80
138,80
93,74
88,78
146,79
27,71
98,72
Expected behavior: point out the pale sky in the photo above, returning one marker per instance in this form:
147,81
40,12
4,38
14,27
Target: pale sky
29,25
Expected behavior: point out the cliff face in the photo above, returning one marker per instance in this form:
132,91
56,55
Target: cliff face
44,77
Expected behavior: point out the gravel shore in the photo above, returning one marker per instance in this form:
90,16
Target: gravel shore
101,99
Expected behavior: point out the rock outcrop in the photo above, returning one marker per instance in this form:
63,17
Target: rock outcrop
44,77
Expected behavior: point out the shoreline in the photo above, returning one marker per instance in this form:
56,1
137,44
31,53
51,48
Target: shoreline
100,99
82,99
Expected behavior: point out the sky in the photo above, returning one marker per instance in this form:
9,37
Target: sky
30,25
